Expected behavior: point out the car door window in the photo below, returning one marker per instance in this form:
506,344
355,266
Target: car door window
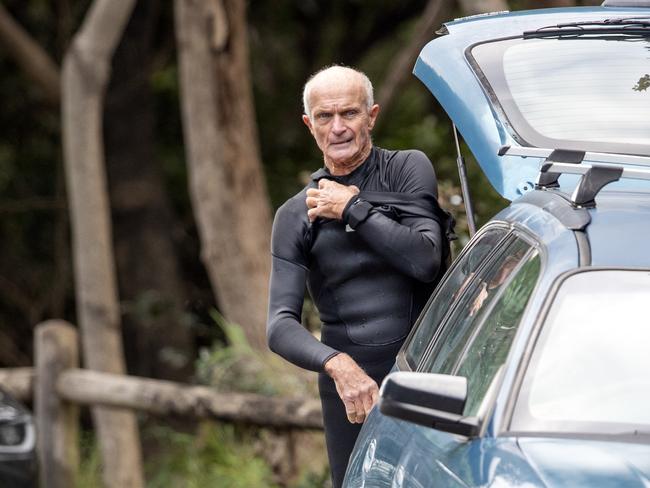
474,303
488,349
448,292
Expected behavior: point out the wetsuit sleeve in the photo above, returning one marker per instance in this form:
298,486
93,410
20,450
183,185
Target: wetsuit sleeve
285,333
413,245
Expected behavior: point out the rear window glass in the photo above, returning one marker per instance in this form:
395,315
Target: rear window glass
583,93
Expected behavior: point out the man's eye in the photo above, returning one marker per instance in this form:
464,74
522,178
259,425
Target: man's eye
350,113
323,116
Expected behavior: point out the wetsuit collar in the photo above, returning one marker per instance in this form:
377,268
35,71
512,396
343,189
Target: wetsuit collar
355,176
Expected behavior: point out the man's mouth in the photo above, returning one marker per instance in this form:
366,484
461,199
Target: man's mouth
341,143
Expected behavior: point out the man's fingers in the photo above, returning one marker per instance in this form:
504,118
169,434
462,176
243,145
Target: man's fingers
354,406
367,403
350,411
323,183
374,396
354,412
312,192
359,411
312,202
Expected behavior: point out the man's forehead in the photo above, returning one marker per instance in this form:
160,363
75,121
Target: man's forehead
337,86
337,93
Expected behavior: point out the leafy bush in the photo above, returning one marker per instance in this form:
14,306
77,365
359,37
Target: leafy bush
237,367
218,457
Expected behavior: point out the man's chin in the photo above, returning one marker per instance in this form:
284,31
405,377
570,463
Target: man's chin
343,157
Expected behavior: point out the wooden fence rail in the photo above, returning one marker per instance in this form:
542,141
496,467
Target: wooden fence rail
58,387
18,382
167,398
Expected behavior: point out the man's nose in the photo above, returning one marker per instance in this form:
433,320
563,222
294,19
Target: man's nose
337,124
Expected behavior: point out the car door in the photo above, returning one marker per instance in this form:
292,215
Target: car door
466,329
448,293
473,341
383,453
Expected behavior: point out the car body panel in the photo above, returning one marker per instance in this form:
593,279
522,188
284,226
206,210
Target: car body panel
587,463
444,69
616,236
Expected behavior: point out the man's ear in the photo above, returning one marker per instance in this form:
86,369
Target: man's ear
307,121
372,115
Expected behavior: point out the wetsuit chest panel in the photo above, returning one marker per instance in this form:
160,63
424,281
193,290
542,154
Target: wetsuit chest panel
354,287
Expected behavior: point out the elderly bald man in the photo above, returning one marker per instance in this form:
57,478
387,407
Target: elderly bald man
369,266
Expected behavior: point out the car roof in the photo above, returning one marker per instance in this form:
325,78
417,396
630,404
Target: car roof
616,227
619,231
443,67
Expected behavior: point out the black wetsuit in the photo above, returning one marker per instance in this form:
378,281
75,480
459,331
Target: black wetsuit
369,276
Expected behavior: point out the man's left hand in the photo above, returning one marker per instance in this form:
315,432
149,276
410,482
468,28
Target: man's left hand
329,199
357,390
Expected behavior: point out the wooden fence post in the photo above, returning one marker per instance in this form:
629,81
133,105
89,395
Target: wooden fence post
57,421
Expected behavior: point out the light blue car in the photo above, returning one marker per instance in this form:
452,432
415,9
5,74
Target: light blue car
530,365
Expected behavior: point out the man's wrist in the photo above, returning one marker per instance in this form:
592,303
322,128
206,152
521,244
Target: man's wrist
346,209
356,211
328,366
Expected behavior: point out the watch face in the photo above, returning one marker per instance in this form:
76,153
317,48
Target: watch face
358,212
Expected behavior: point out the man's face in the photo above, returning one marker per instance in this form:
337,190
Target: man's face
341,123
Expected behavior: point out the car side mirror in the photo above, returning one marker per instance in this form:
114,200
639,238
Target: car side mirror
432,400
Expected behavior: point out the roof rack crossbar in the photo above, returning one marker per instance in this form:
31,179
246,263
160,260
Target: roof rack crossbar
537,152
594,178
581,169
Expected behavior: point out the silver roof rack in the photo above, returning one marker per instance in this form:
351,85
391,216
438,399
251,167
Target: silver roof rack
594,178
597,157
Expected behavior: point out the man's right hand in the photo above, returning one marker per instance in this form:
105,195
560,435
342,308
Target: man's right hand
357,390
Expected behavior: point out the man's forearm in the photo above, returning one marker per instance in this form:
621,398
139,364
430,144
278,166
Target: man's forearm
414,250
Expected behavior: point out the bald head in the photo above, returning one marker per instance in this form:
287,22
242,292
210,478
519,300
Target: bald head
336,76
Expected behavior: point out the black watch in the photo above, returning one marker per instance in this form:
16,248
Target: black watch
357,212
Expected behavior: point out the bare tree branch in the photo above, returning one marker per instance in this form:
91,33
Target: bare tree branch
400,70
32,205
16,295
34,61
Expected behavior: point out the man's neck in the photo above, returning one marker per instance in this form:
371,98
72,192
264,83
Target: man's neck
347,168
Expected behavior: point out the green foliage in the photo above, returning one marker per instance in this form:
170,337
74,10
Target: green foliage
643,84
89,475
218,457
235,366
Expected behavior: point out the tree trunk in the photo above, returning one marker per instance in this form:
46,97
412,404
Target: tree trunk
86,69
226,180
473,7
149,275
